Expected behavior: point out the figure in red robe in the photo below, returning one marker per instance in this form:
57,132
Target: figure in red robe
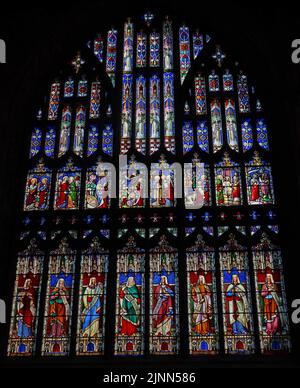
163,311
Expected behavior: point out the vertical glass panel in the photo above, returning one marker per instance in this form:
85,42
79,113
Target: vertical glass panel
162,178
243,93
111,55
231,125
259,182
168,45
216,125
140,115
50,142
228,183
200,95
54,101
154,114
213,82
197,188
130,299
236,299
92,300
202,299
202,135
37,191
247,134
59,300
197,44
79,130
133,187
98,186
154,49
262,134
95,100
184,52
164,304
128,47
126,128
93,139
169,113
272,306
65,131
26,300
98,48
36,141
187,136
82,87
228,82
67,190
107,140
69,88
141,50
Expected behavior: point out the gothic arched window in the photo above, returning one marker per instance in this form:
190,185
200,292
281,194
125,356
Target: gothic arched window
109,241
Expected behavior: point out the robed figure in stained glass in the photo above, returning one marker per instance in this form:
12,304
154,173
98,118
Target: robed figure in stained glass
59,310
202,303
272,304
130,307
26,309
238,307
163,310
92,308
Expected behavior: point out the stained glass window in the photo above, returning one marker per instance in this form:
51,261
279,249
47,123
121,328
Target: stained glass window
133,185
202,136
262,134
98,187
65,131
231,125
130,300
243,93
247,135
169,112
185,54
107,140
228,183
187,136
67,189
140,115
93,139
197,43
36,141
154,114
154,49
141,50
50,141
37,191
259,182
126,129
79,130
202,299
95,100
200,95
111,55
271,298
213,154
69,88
92,300
26,302
216,125
54,101
236,299
59,301
164,306
162,180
